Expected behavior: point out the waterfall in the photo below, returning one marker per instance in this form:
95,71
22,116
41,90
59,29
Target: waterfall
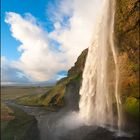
100,102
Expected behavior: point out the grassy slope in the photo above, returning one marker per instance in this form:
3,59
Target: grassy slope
55,96
6,112
22,127
132,106
14,121
10,93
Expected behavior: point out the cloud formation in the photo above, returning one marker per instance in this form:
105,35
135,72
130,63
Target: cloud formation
37,60
81,27
11,75
44,54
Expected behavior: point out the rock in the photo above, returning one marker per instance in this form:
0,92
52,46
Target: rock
127,39
79,65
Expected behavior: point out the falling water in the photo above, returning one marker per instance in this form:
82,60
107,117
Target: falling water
99,90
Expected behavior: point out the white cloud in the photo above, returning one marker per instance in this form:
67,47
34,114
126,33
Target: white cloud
82,27
57,9
11,75
38,61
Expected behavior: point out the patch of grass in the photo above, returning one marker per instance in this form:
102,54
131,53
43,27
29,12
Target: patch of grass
10,93
132,106
53,98
20,127
3,124
6,113
31,100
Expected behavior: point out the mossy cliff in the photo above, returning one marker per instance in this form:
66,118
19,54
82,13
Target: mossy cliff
57,96
127,43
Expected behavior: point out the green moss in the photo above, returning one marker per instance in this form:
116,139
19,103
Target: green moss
6,113
132,107
133,66
3,125
55,97
32,100
21,127
52,98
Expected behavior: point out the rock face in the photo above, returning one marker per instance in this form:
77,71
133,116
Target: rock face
127,42
79,65
127,35
65,92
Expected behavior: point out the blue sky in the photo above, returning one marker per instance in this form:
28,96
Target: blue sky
38,9
41,39
9,44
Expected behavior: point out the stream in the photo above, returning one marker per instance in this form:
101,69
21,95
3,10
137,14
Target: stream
64,125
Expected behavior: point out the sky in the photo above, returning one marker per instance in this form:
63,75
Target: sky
41,39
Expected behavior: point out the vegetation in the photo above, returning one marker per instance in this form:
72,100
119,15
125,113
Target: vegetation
22,127
16,124
6,112
127,40
11,93
54,97
132,107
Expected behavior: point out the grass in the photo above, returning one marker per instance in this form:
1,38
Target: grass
9,93
16,124
18,128
54,97
6,113
46,99
12,93
30,100
132,106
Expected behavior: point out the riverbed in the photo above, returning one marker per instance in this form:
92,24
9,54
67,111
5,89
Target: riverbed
63,124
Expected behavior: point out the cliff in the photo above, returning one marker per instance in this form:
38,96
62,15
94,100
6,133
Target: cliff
127,42
66,89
